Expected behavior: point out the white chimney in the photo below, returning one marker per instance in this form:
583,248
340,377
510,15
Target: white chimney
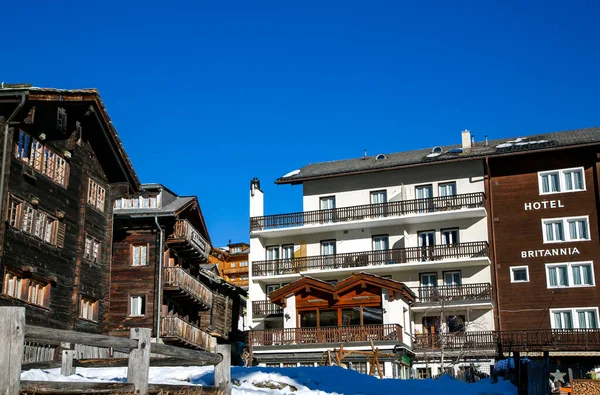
466,139
257,208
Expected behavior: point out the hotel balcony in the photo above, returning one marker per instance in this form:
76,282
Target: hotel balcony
390,333
471,253
188,242
478,295
469,205
174,329
183,286
264,308
522,341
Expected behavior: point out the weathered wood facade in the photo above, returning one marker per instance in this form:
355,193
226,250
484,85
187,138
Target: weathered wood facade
233,263
64,164
517,209
163,286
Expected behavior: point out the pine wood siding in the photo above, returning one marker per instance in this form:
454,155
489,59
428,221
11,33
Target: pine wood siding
514,182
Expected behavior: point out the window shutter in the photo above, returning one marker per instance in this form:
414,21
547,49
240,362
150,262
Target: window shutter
60,235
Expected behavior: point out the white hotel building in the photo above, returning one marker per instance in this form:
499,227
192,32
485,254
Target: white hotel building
416,220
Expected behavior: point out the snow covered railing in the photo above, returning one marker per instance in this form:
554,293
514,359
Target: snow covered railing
14,332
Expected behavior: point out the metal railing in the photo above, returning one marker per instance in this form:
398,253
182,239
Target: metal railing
331,334
389,209
454,293
178,277
371,258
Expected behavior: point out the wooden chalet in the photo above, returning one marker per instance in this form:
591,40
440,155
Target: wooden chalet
63,164
232,261
157,280
320,315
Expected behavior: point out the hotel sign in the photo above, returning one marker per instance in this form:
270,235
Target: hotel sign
543,205
549,252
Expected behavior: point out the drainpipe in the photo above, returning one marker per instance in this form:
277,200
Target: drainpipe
5,145
160,265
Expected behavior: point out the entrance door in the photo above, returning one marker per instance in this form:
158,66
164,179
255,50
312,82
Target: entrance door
431,330
426,244
424,194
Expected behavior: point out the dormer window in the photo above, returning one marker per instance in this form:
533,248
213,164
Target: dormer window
61,120
144,201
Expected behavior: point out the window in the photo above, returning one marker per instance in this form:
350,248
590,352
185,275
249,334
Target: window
236,250
576,318
448,189
452,278
565,180
41,158
327,203
27,290
429,280
137,305
61,119
519,274
328,247
88,309
136,202
36,222
554,229
233,264
381,243
272,253
270,288
455,323
449,236
96,195
575,274
378,197
139,255
287,251
244,264
92,249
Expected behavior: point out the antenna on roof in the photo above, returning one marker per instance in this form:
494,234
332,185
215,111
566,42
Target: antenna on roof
486,140
365,155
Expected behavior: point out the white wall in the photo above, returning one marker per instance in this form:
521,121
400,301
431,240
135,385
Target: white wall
290,310
399,184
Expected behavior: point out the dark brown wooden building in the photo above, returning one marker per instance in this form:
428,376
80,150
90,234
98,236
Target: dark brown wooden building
158,276
63,163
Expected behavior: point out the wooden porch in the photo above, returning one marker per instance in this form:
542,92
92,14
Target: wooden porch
174,329
188,242
322,335
454,293
522,341
365,211
180,284
468,250
263,308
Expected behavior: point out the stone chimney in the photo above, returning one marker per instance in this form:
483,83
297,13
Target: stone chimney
257,208
466,139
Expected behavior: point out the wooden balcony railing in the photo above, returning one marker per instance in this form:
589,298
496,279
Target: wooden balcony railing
454,293
263,308
525,340
180,330
332,334
185,231
371,258
178,278
389,209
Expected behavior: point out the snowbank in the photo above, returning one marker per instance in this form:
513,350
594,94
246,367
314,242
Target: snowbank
275,381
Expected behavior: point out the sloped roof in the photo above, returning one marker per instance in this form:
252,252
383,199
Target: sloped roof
279,295
420,157
80,95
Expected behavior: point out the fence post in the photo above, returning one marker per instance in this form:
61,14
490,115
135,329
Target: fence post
223,369
12,330
138,369
66,363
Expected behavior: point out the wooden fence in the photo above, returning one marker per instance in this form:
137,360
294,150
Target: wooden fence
15,333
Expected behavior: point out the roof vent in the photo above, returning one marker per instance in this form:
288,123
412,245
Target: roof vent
436,150
380,157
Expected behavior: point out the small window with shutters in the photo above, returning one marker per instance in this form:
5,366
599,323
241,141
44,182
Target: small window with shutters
139,255
36,222
88,309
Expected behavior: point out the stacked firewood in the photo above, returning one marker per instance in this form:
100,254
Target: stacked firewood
585,387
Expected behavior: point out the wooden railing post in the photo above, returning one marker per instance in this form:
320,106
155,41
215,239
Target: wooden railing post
138,369
12,330
66,363
223,368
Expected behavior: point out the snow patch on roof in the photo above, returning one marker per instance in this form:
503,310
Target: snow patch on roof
292,173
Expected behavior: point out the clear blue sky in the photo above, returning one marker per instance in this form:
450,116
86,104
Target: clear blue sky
208,94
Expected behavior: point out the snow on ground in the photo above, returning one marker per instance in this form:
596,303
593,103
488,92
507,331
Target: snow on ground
275,381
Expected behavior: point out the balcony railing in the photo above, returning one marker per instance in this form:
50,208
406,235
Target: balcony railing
476,249
180,330
185,231
332,334
263,308
454,293
525,340
178,278
379,210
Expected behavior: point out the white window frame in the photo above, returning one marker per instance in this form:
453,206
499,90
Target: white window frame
131,312
443,185
574,316
565,226
561,180
142,262
570,278
512,274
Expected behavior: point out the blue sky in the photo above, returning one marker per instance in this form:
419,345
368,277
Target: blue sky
207,95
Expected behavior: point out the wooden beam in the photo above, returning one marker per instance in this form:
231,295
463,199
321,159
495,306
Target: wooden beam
75,388
66,364
223,369
56,336
138,369
307,289
180,352
12,325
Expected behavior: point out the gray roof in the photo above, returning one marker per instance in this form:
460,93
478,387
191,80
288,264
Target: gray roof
419,157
